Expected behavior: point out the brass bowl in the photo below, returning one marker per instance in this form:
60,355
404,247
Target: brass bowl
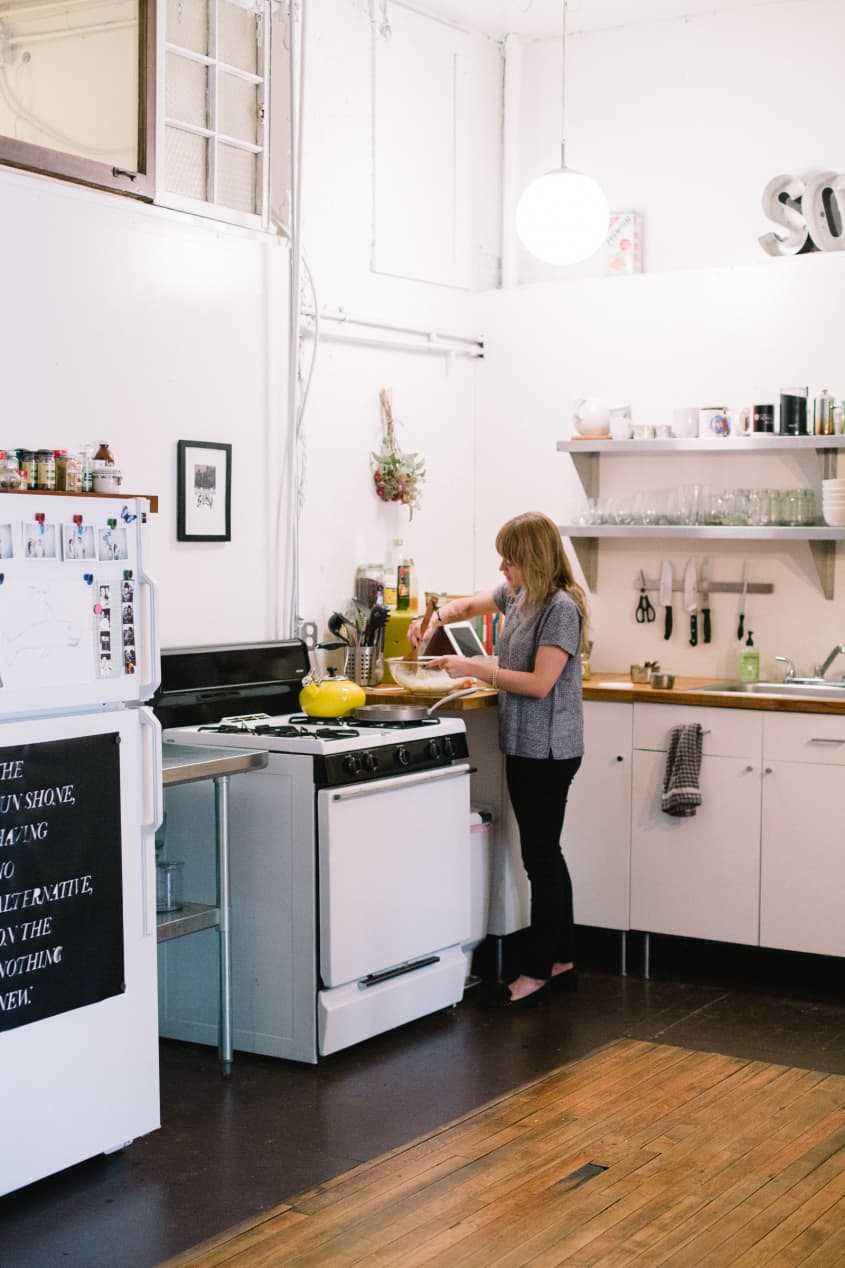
663,682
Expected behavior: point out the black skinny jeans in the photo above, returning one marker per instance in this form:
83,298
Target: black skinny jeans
538,791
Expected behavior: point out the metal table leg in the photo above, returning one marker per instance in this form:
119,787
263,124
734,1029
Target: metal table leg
221,815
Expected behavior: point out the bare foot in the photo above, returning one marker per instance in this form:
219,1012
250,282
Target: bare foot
557,968
524,986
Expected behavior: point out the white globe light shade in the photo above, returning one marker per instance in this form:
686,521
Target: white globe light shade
562,217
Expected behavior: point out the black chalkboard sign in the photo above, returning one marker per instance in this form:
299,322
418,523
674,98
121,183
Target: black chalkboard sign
61,902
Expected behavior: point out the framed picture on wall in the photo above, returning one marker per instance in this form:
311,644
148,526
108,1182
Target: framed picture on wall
203,491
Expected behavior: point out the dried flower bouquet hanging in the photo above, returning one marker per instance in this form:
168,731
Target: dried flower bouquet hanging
398,476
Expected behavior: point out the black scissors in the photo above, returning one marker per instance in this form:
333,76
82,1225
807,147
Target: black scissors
645,608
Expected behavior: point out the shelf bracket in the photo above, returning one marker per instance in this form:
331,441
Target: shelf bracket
586,551
587,468
824,557
827,463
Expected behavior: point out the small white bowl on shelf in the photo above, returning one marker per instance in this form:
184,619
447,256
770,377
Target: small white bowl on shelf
834,518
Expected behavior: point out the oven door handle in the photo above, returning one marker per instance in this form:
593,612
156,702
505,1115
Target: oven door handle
379,786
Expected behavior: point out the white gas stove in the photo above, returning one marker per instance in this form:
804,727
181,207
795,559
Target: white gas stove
349,856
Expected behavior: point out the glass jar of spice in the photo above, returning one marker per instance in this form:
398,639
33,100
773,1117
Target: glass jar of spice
45,469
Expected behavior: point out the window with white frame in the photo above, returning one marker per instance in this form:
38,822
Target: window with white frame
214,59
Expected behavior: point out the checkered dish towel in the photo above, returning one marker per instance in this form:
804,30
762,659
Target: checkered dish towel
681,794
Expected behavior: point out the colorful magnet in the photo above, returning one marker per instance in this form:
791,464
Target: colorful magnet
77,519
126,517
127,574
112,523
88,578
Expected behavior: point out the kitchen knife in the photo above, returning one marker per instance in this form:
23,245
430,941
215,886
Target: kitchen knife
691,602
740,629
704,589
665,595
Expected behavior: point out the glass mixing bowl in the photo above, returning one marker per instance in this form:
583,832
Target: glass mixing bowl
417,675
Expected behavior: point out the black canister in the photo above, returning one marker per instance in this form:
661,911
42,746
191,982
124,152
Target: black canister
793,411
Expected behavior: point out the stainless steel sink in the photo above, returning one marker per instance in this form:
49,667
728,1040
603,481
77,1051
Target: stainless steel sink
813,689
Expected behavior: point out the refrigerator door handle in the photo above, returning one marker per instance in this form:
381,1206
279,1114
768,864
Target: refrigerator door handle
152,663
153,794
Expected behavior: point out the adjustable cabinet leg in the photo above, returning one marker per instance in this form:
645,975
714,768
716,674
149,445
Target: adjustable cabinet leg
224,907
623,953
647,955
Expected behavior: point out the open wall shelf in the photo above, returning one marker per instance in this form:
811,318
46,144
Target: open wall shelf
585,538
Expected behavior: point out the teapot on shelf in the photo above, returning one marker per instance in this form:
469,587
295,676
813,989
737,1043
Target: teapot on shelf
591,418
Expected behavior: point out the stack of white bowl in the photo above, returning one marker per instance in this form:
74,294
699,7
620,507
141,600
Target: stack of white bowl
833,502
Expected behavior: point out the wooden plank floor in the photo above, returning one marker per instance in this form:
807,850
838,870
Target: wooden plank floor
637,1154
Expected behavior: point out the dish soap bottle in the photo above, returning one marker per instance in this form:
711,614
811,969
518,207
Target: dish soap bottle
749,661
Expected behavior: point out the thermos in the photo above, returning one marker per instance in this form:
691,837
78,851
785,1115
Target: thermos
823,418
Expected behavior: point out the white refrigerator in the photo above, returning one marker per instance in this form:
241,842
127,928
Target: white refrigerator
80,799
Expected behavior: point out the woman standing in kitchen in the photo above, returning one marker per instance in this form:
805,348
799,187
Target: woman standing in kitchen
541,727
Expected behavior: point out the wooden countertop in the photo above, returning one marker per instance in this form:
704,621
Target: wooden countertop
688,691
601,686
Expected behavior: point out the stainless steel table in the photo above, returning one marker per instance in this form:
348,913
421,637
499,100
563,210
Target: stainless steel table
186,764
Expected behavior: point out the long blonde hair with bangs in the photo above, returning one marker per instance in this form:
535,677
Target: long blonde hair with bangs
532,543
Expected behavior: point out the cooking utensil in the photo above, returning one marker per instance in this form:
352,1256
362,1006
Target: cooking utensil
665,596
430,609
740,629
338,623
645,607
704,589
691,601
406,712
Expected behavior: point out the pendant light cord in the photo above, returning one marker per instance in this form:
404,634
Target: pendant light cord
563,88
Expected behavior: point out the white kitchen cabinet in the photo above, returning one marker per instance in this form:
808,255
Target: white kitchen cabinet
802,880
698,876
597,829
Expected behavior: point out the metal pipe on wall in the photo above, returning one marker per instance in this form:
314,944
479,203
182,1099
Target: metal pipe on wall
298,10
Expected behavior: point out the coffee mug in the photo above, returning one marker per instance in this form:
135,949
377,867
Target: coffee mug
621,424
713,421
685,422
107,480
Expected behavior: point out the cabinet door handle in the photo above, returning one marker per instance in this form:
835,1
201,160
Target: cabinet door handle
817,739
767,771
749,769
620,758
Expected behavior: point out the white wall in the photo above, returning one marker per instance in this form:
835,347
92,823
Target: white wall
658,341
686,121
343,522
126,323
661,112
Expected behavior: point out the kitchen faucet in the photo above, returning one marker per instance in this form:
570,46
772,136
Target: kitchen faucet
790,668
822,669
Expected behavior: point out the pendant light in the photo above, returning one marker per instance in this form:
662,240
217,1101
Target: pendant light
562,217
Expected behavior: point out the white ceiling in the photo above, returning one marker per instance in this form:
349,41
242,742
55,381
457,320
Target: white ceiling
538,18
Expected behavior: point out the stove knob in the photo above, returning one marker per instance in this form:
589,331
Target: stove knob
434,749
448,747
369,761
403,757
352,763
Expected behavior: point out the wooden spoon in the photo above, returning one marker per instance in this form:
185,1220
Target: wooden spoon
430,609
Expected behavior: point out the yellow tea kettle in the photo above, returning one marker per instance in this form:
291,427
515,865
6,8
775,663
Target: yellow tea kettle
331,697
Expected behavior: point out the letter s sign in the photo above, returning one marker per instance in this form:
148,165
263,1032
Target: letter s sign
809,209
